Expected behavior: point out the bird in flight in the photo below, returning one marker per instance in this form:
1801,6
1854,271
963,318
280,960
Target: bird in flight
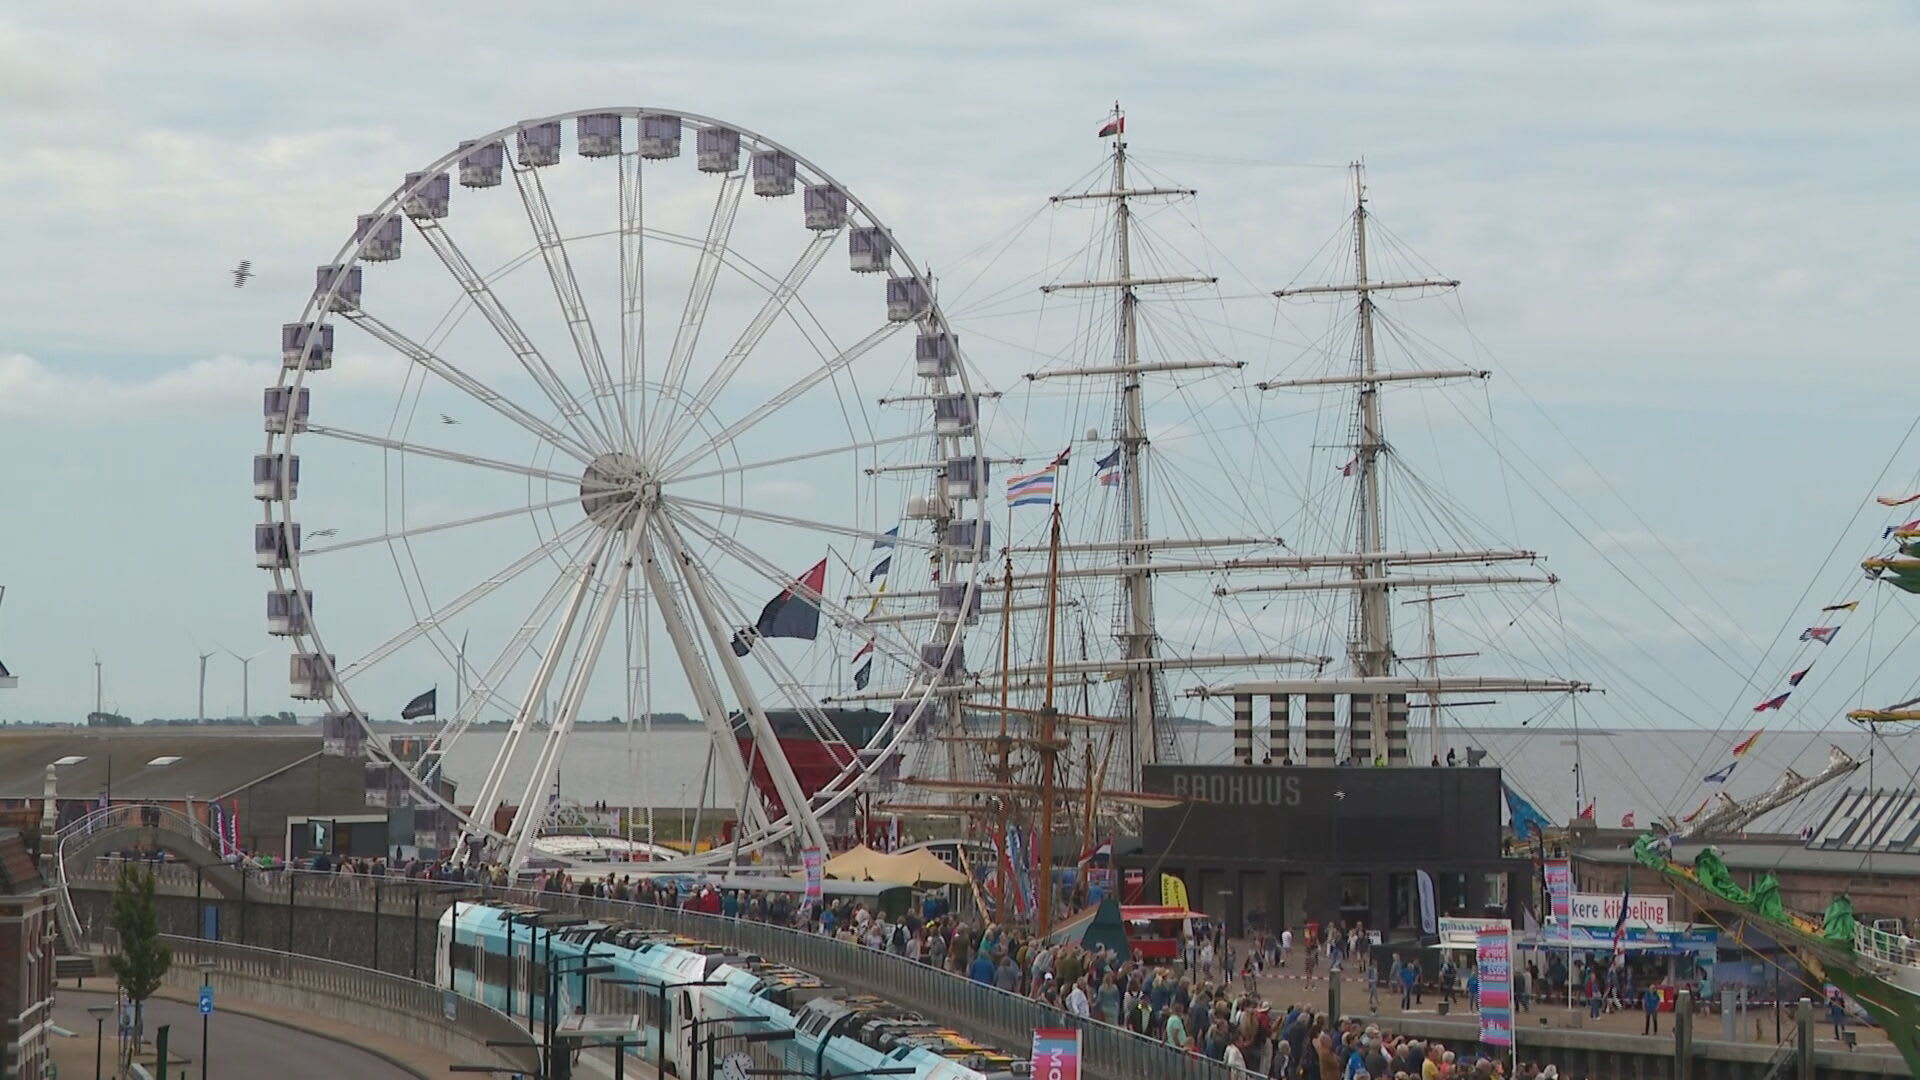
445,419
242,272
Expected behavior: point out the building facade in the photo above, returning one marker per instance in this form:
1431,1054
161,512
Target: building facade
26,961
1290,845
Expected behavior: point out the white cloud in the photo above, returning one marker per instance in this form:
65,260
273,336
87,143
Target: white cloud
33,391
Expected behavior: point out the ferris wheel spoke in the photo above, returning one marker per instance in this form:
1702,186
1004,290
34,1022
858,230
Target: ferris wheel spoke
418,450
857,533
693,315
831,451
465,600
508,329
770,311
792,796
633,292
784,398
566,289
473,387
895,643
438,526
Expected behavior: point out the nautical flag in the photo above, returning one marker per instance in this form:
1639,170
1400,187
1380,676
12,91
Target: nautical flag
1523,816
861,674
1889,500
1746,744
1848,606
1115,126
1032,489
1109,467
1347,469
864,650
426,704
890,536
1626,820
878,593
880,568
1794,679
1696,810
1772,703
1587,814
795,613
1821,634
1719,776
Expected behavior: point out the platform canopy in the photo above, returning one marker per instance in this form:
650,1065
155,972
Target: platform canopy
921,869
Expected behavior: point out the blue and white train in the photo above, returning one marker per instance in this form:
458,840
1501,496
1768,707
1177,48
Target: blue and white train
835,1033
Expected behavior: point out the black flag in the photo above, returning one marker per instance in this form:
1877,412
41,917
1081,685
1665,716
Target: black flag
795,613
426,704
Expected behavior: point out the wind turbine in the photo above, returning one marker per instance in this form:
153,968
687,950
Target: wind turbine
203,688
246,680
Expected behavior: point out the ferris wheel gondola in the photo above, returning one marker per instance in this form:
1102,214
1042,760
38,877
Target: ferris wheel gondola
617,497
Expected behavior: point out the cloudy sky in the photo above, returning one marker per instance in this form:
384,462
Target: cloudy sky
1684,230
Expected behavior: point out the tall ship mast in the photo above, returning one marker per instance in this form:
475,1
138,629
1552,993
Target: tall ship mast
1381,686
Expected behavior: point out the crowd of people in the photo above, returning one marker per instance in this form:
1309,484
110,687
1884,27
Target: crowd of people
1206,1001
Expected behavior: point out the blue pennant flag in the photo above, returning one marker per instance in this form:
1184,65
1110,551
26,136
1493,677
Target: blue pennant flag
880,568
891,535
1523,815
1720,776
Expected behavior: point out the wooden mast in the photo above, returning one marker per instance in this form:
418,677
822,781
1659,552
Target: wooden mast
1005,772
1045,743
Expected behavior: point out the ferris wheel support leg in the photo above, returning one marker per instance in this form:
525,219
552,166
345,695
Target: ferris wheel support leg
483,691
633,299
488,800
784,780
526,824
706,695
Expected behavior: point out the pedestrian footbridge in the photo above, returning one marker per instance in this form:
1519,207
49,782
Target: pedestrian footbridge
114,829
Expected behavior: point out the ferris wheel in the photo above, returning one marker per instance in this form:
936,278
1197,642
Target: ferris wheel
622,443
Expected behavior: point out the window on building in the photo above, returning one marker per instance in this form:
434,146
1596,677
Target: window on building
1496,891
1356,896
1403,901
1452,889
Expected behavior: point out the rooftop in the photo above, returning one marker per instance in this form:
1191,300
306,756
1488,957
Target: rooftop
1778,856
18,875
137,764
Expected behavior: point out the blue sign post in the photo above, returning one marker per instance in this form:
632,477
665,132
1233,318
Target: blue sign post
206,1000
206,1010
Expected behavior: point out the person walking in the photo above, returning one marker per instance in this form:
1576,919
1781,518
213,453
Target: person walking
1650,1001
1837,1015
1409,979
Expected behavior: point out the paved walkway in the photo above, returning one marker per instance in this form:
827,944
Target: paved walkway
245,1041
1757,1027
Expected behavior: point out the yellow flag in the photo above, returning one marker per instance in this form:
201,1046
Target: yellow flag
1173,891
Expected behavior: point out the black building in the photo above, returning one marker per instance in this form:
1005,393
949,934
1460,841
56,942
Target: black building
1285,846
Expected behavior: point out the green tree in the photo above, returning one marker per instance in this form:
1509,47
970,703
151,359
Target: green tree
142,959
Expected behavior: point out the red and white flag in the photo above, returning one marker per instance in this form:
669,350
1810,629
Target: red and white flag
1115,126
1626,820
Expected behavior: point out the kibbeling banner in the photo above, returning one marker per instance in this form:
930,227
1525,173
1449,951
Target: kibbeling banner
1603,909
1056,1054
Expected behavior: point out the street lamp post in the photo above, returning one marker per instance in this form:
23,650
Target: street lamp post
714,1037
660,1063
99,1014
206,979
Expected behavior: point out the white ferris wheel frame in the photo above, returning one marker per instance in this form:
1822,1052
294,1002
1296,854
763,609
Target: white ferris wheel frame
573,434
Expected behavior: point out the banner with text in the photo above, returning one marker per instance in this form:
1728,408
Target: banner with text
1603,909
1494,960
811,859
1056,1054
1560,888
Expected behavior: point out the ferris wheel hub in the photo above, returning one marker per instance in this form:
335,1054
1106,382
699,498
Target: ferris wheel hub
614,487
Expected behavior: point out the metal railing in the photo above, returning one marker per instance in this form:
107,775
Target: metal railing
1898,950
106,820
400,1006
947,997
